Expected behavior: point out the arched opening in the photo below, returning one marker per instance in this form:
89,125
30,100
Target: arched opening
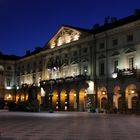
116,96
120,103
63,97
103,102
130,92
102,97
134,102
82,100
72,100
55,100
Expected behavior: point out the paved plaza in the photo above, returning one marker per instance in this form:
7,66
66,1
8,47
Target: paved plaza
68,126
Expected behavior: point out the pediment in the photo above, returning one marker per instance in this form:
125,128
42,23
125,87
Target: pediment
63,36
130,50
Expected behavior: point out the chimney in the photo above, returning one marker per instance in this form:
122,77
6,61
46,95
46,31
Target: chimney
95,26
137,12
106,20
113,19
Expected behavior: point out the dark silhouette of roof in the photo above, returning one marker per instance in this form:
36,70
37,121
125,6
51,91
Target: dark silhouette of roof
117,23
9,57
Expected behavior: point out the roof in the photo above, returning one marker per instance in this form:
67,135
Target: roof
9,57
116,23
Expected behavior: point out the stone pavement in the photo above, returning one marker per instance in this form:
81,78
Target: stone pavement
68,126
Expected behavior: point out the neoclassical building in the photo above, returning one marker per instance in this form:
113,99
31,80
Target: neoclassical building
79,67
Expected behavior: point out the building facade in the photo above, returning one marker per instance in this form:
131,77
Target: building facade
78,68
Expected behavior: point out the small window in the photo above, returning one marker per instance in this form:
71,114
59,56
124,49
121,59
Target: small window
115,42
9,68
75,53
8,82
85,50
129,38
85,70
101,46
115,65
131,62
66,55
102,69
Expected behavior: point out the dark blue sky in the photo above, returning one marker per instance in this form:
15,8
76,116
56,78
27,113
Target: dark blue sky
26,24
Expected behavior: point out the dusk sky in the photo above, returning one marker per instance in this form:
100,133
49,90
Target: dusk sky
26,24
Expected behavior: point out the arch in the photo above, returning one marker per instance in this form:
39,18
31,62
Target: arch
117,90
72,100
130,89
103,102
134,102
120,103
102,93
130,92
63,100
55,100
116,96
82,99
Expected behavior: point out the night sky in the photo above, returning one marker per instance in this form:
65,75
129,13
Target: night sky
26,24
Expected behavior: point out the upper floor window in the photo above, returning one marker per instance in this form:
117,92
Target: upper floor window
9,68
129,38
102,69
66,55
85,70
8,82
85,50
101,45
131,62
75,53
114,42
115,65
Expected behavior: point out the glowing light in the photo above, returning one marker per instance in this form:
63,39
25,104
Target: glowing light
74,95
66,107
76,37
132,91
8,87
103,92
9,97
42,92
114,75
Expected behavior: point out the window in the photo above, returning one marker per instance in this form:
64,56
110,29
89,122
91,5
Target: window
131,62
8,82
115,65
9,68
75,53
101,45
85,50
115,42
101,69
66,55
129,38
85,70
